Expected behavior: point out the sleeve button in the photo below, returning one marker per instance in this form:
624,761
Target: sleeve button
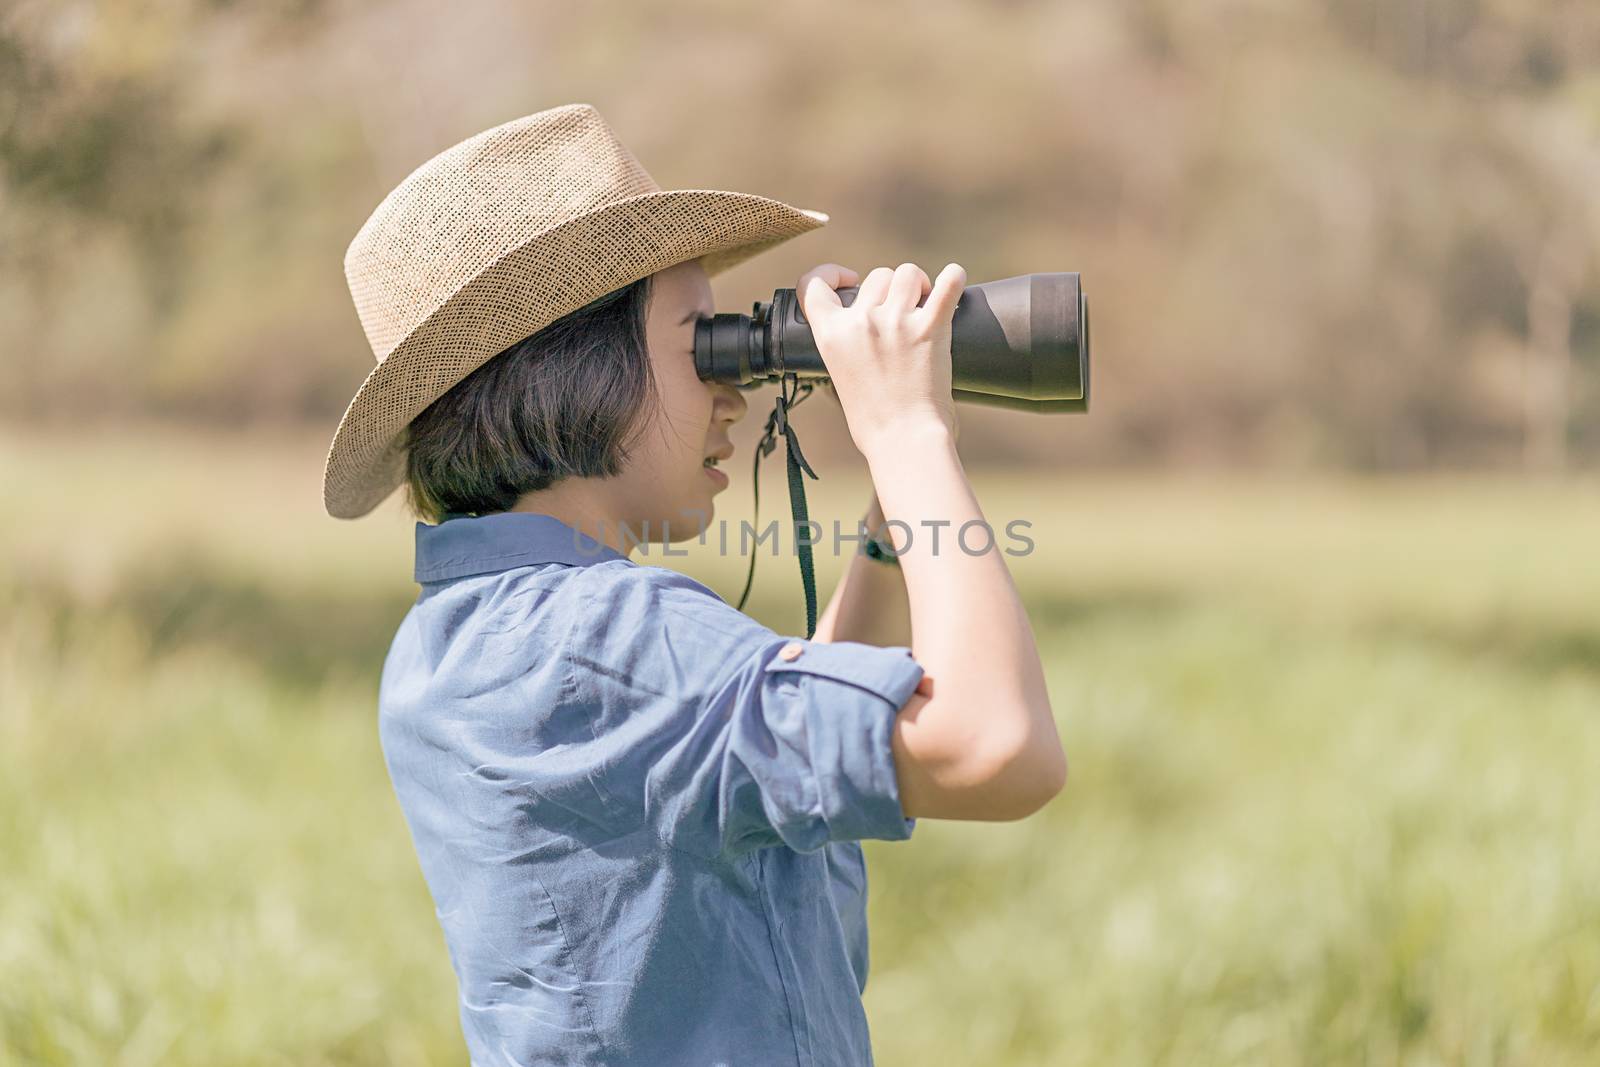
791,651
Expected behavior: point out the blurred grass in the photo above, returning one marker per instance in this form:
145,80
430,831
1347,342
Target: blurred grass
1333,796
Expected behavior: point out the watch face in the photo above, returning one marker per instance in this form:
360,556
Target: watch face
874,550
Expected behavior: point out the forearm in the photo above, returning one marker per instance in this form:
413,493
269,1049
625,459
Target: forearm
869,605
987,723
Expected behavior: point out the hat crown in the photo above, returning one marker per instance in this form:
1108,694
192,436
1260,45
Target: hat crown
493,239
463,210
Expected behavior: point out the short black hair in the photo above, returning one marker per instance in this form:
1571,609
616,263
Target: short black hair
560,403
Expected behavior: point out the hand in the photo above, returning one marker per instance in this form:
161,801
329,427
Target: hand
887,354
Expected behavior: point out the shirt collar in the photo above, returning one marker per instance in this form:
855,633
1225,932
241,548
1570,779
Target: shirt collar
482,544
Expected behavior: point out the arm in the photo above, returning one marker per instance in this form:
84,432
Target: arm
869,605
978,739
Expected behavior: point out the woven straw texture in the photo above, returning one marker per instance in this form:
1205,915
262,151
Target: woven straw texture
497,237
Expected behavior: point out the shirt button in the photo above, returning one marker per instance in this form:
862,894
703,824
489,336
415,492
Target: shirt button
791,651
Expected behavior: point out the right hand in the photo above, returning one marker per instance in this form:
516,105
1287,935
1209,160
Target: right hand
888,358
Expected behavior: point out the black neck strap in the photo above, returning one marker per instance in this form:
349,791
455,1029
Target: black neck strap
778,423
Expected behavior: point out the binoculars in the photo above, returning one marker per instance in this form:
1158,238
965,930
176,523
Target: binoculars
1020,343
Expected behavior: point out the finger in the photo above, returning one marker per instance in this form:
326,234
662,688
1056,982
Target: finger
874,289
834,274
946,292
907,287
816,286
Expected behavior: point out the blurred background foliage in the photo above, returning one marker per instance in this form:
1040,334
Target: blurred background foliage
1316,233
1333,796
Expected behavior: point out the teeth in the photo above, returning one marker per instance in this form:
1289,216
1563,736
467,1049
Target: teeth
710,461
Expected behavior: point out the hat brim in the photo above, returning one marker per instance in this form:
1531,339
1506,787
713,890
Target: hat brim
551,275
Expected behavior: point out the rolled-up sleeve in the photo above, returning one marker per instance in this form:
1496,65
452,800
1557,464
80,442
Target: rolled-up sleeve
720,735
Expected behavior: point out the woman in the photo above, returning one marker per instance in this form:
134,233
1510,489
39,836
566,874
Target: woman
637,809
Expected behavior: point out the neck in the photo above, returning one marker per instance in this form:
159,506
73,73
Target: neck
582,505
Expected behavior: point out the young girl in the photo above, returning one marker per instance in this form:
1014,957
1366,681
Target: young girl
637,809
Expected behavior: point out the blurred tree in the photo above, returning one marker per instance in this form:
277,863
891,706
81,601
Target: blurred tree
1554,160
93,137
1315,231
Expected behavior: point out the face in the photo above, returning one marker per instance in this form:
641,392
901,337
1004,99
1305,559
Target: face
666,482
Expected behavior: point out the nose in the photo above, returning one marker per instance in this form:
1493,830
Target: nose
729,405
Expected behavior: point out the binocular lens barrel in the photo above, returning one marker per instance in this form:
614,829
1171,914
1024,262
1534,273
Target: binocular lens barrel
1020,343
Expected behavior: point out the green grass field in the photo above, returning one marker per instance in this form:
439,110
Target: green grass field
1335,789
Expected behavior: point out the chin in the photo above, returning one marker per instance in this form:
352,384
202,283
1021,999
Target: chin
691,519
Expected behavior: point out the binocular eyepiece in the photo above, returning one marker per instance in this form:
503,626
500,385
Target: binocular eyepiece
1020,343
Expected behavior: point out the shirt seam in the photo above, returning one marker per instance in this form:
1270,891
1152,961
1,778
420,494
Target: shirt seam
800,1058
569,683
566,953
615,810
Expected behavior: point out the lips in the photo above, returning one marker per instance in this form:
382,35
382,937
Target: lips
709,464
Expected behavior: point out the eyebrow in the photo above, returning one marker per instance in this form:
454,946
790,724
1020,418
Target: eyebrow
693,315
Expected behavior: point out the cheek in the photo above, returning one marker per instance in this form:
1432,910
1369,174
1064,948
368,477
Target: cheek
687,405
682,419
676,446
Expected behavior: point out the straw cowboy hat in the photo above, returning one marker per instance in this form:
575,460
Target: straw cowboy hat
494,239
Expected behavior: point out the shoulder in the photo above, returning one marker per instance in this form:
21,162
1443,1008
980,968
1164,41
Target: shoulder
643,622
640,599
655,628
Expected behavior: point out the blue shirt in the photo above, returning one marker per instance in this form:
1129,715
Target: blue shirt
636,808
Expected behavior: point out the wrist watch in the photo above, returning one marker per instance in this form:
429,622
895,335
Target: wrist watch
877,550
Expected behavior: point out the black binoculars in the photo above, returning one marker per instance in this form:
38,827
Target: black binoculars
1020,343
